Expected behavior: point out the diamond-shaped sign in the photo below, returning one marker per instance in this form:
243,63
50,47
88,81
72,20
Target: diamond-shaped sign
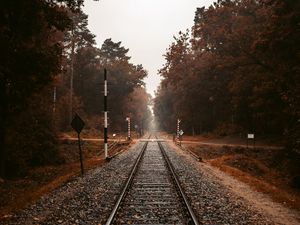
77,124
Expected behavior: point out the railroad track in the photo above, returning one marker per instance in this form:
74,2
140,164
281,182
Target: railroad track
152,193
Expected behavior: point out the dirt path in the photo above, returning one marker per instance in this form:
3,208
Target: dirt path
212,143
279,213
231,142
232,145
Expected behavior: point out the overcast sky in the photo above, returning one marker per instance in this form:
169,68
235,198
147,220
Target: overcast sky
146,27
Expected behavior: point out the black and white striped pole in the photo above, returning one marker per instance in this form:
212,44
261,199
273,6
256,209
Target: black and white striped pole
105,115
178,127
128,124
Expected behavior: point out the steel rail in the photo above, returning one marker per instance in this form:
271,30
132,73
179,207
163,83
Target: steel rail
127,185
178,185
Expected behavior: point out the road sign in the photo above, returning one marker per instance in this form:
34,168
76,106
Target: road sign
250,136
77,124
181,132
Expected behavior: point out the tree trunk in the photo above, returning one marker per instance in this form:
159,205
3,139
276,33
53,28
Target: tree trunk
3,114
2,150
72,72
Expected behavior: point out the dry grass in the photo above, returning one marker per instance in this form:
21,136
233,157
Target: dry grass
279,195
17,194
65,173
267,170
257,168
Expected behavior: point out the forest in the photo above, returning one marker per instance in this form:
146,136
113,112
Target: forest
51,69
236,71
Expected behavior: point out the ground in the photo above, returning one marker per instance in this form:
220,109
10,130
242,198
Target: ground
18,193
266,168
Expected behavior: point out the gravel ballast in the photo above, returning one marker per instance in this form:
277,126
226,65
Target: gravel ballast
89,199
214,202
86,200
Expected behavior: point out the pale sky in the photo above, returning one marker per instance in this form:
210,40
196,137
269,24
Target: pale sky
146,27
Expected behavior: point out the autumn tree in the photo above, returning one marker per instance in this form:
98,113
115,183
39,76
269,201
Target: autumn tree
123,78
277,44
163,107
78,44
239,71
30,57
137,107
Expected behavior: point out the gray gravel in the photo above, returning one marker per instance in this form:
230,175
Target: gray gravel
152,198
213,203
86,200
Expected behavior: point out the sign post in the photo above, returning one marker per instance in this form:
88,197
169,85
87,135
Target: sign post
251,136
180,136
78,124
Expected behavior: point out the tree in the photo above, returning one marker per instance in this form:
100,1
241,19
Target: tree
123,78
278,44
163,107
76,39
30,56
240,69
136,106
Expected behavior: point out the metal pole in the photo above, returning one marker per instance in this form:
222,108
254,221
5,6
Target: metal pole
105,115
80,155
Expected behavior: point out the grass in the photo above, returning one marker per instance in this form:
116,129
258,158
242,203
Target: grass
19,193
258,168
278,194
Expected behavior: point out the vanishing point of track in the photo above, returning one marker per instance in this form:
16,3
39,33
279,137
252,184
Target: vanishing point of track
152,193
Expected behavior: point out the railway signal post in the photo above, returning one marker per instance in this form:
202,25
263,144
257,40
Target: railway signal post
128,125
178,128
105,115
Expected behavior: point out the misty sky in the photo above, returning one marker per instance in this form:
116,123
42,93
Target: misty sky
146,27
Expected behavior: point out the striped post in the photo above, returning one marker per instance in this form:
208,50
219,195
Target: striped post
128,121
178,122
105,114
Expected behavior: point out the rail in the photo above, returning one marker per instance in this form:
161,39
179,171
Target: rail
127,185
192,219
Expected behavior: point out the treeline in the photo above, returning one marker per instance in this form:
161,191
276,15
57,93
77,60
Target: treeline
237,71
50,68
